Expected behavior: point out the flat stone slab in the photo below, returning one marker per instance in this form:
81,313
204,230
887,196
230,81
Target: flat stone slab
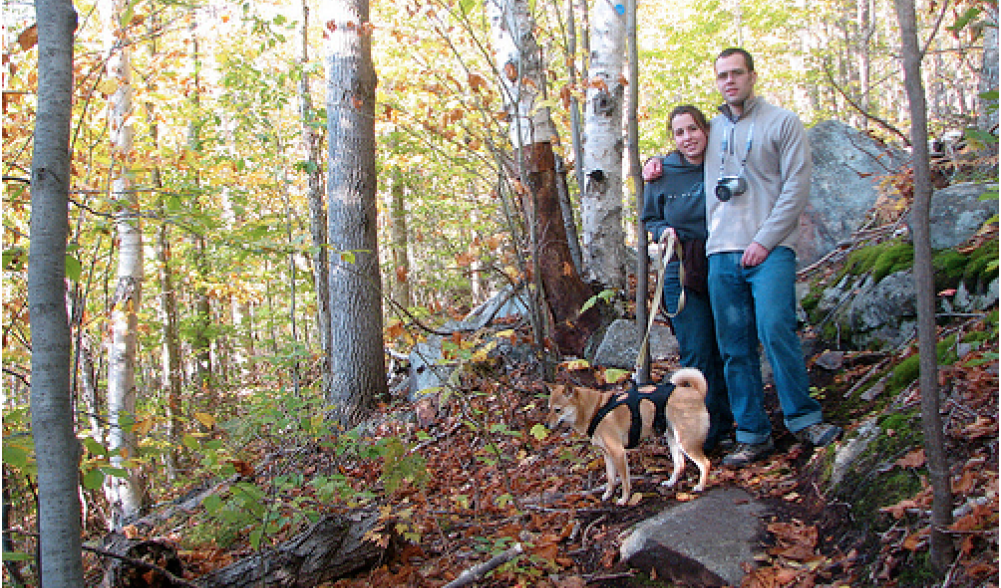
702,542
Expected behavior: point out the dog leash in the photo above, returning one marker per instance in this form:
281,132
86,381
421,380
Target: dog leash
672,250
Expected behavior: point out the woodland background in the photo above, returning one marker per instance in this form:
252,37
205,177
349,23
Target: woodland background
225,159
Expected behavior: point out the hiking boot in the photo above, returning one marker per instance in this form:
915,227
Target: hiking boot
748,453
819,434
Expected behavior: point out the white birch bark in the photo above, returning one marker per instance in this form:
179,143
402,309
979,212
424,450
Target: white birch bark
519,61
57,451
123,493
603,234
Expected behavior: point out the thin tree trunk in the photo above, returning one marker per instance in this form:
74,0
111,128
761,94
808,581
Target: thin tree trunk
317,212
170,348
942,550
201,342
636,182
573,239
57,451
124,493
987,118
358,364
601,201
400,239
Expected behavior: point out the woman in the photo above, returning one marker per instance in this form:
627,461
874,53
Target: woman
675,203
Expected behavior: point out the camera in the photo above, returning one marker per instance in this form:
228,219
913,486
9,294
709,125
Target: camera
729,186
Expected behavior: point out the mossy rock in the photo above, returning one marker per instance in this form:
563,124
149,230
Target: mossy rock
894,258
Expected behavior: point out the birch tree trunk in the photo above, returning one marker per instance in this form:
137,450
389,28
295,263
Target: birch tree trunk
941,548
519,61
123,493
57,452
603,234
358,366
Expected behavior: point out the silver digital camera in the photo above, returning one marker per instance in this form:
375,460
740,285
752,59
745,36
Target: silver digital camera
729,186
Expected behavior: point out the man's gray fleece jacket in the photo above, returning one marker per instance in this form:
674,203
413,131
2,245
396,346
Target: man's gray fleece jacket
777,173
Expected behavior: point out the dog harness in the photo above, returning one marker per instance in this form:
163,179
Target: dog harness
632,399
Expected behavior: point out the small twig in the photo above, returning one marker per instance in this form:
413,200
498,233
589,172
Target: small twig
587,529
477,572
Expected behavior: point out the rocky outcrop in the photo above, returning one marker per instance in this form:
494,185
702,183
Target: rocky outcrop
847,169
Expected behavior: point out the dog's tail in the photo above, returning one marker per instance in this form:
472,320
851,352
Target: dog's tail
692,378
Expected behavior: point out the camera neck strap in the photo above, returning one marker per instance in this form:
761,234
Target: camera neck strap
732,131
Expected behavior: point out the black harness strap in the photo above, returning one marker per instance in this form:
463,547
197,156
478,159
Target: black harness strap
632,398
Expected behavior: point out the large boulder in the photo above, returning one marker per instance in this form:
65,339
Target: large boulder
957,213
847,169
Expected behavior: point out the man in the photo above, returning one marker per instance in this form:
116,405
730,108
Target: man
757,173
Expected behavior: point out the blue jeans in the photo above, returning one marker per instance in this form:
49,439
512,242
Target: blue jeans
759,304
696,335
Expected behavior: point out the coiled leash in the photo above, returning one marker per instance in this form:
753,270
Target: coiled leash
672,250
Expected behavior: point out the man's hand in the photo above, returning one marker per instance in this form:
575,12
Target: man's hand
754,254
667,234
653,169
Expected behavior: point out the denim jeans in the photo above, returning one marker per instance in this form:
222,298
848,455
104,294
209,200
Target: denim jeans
753,305
696,335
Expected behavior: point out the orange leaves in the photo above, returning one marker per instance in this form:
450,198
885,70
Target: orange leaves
477,83
364,29
28,37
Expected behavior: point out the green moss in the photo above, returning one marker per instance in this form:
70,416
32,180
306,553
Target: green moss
918,571
979,337
945,350
949,266
811,300
896,257
906,372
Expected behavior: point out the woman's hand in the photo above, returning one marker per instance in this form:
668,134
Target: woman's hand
652,169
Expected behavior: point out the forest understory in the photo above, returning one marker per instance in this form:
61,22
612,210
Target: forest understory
463,476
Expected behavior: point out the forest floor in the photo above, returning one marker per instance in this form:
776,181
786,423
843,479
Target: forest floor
477,473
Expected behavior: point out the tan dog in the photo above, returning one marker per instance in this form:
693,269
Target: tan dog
618,421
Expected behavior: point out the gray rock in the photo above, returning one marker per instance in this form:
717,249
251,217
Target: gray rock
848,452
699,543
957,213
847,168
883,312
620,346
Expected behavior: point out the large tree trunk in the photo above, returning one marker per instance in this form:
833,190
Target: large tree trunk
601,201
532,133
942,549
358,365
57,452
124,493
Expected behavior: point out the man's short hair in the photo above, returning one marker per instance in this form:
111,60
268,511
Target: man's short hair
748,60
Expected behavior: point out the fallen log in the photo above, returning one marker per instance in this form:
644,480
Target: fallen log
138,563
333,547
